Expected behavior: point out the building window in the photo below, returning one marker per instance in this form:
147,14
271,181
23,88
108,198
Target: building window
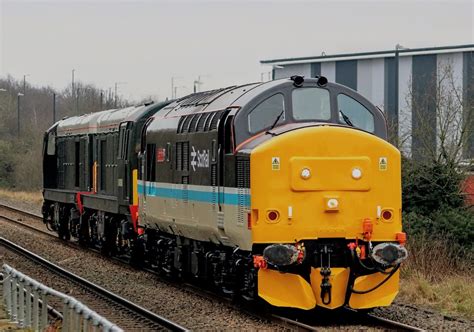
311,104
354,114
266,113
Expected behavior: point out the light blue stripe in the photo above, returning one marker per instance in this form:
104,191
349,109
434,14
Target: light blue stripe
193,195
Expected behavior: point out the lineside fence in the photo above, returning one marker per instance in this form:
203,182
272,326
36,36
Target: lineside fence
27,301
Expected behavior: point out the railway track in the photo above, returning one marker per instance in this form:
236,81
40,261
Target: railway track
299,324
124,313
355,318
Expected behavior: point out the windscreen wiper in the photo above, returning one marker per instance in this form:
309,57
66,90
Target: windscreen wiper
276,120
346,119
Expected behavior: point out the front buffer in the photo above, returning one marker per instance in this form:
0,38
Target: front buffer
326,219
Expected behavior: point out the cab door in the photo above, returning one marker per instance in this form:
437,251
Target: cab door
123,156
85,163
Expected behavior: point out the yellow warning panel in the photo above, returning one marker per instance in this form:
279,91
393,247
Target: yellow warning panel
339,278
285,290
380,297
383,163
275,163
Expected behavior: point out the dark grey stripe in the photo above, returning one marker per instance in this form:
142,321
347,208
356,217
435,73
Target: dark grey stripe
315,69
346,73
424,79
389,95
468,101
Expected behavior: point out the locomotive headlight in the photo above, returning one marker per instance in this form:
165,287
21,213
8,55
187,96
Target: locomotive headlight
356,173
389,254
283,254
305,173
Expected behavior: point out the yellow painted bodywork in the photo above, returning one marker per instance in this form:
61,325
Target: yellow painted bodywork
331,154
285,289
94,177
135,187
338,278
330,173
381,297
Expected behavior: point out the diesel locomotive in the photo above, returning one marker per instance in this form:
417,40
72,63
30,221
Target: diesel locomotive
287,191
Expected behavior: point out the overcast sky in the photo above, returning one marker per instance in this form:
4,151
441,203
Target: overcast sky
145,43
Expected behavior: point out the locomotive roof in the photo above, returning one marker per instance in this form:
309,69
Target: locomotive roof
215,100
99,122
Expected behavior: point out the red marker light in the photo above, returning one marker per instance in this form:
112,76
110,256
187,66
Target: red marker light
387,215
272,215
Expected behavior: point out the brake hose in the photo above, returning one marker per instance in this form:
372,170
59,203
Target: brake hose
367,267
395,269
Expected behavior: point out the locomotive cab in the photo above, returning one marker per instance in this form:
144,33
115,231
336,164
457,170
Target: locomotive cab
325,197
309,101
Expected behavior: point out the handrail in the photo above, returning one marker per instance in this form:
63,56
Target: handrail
23,296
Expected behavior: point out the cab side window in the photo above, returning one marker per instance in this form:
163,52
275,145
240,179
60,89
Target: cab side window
266,113
354,114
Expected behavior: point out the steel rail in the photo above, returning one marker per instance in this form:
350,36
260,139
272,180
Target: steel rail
14,209
93,287
393,323
39,230
361,318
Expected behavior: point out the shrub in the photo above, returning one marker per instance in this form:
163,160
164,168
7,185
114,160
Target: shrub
434,216
429,186
454,227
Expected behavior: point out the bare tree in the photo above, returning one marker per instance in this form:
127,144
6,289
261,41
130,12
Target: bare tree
443,119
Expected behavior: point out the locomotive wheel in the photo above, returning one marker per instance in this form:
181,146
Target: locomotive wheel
137,253
84,237
109,244
63,230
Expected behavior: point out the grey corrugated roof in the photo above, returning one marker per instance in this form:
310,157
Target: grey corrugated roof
386,53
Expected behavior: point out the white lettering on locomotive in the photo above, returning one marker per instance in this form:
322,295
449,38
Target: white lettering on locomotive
199,159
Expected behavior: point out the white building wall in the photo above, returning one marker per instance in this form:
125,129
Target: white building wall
370,80
328,69
404,104
378,82
364,78
287,71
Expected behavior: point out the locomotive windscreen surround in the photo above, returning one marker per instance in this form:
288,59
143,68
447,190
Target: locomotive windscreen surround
285,191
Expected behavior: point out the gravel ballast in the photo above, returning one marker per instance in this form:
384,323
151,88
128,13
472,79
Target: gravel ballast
176,304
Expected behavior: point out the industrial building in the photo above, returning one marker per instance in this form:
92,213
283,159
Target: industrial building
418,89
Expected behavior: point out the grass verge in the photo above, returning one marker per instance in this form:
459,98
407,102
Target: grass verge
11,197
435,277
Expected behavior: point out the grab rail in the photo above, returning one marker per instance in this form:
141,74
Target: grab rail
27,303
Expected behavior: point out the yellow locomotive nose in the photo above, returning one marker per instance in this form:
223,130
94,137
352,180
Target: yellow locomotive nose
328,184
328,180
